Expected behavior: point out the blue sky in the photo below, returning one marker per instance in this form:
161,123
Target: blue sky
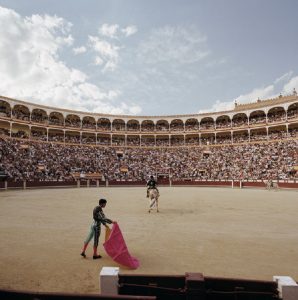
152,57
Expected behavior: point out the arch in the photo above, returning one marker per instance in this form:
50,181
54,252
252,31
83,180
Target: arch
5,109
257,117
88,122
39,116
240,136
147,126
72,137
104,139
88,138
293,130
259,134
162,125
240,120
56,135
192,139
207,123
224,138
103,124
4,128
177,140
276,114
20,131
118,140
73,120
21,112
118,125
207,138
133,140
292,112
133,125
192,125
277,132
177,125
147,140
38,133
223,121
162,141
56,118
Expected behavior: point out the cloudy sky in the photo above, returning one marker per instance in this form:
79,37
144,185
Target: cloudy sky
139,57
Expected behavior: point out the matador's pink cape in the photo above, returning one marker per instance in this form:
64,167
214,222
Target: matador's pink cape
116,248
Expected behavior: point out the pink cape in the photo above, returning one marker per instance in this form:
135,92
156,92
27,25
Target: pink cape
116,248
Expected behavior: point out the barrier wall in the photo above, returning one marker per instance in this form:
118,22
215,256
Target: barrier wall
30,184
27,295
195,286
202,183
83,183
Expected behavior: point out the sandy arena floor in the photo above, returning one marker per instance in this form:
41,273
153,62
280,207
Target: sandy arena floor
219,232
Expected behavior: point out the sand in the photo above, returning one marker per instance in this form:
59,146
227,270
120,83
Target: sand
220,232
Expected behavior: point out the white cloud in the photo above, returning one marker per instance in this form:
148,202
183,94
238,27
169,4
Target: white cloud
98,61
291,85
268,92
129,109
104,48
216,62
107,53
109,30
284,77
110,66
129,30
262,93
174,44
112,30
30,68
79,50
218,106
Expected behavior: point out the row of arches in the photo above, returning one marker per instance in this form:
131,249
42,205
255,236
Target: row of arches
116,139
57,119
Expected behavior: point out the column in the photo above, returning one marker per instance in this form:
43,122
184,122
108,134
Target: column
108,280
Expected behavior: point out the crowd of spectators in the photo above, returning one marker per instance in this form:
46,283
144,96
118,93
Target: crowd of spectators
192,127
147,127
38,117
53,120
73,123
88,124
40,161
240,122
292,114
20,115
257,120
103,126
223,124
276,117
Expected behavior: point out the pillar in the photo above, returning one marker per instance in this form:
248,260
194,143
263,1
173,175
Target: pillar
287,287
108,280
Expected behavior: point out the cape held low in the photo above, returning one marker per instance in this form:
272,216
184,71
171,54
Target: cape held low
116,248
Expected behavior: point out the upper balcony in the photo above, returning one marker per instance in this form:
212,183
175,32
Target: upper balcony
266,113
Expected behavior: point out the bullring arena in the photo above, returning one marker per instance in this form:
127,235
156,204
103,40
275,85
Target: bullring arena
216,215
220,232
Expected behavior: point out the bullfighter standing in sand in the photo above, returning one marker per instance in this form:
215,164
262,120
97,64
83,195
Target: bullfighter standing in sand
95,229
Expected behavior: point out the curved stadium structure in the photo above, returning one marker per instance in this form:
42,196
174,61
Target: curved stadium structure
245,147
255,141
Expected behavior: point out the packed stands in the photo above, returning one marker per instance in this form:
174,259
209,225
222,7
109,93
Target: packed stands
254,161
255,141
